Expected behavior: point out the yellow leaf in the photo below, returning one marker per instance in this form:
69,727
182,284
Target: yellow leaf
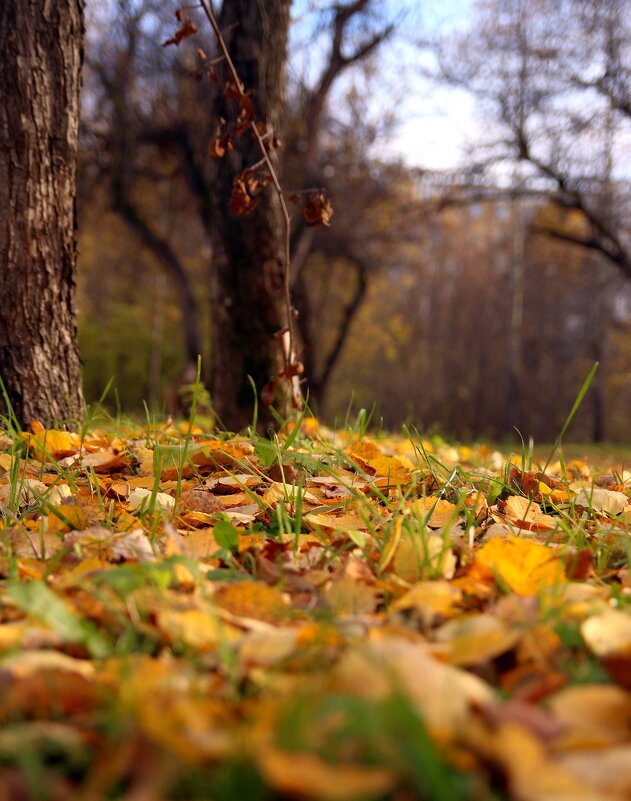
202,543
361,452
332,523
475,639
441,513
50,442
26,663
253,599
437,597
11,634
605,771
389,466
525,566
443,694
160,692
65,517
188,726
193,627
78,574
350,597
423,556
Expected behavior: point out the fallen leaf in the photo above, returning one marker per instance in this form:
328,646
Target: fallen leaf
607,772
525,566
476,639
442,694
532,776
50,442
331,522
306,775
132,545
431,599
609,633
267,648
66,517
24,492
144,499
349,597
438,513
422,556
525,513
253,599
602,500
593,716
195,628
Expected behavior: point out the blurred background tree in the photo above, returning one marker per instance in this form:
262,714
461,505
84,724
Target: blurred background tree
472,300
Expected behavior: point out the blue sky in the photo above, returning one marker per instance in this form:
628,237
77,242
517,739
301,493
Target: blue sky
435,122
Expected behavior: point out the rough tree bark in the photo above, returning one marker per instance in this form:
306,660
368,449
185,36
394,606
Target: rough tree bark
247,271
39,79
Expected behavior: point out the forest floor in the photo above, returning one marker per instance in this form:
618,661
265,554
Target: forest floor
325,615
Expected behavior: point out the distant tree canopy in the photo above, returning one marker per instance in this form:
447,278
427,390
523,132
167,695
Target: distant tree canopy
553,78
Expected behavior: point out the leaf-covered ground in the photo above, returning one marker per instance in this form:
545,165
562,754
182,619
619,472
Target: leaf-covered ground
321,616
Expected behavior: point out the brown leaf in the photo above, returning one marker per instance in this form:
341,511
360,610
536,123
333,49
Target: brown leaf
217,149
188,29
241,201
247,106
268,393
579,565
318,210
243,121
231,91
295,368
199,500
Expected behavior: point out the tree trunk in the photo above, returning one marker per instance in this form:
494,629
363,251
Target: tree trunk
247,250
39,78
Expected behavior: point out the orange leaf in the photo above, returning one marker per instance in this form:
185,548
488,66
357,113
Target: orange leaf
306,775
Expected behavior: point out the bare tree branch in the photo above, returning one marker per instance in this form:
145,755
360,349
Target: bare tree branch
348,316
337,62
